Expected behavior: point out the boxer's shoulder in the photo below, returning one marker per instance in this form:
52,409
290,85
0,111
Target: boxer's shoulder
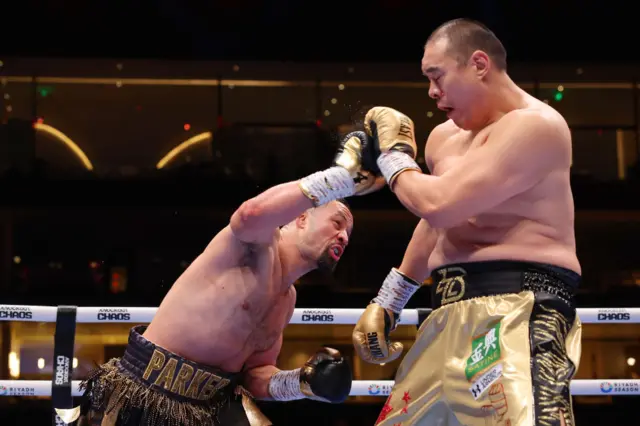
541,133
442,132
436,140
543,126
540,118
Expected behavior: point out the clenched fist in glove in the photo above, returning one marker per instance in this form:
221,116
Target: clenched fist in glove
325,377
354,172
371,333
394,137
356,154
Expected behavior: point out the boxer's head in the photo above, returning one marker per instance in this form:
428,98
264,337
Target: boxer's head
322,234
462,58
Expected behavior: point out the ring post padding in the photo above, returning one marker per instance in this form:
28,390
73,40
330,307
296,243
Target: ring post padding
65,336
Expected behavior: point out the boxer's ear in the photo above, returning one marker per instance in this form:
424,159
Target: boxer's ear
302,220
480,61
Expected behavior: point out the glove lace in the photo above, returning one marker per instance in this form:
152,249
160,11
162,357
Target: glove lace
396,291
328,185
285,385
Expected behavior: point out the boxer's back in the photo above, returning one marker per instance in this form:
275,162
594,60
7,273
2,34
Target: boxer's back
536,225
229,303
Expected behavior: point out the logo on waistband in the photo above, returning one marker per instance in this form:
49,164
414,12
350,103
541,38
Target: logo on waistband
452,288
188,381
15,312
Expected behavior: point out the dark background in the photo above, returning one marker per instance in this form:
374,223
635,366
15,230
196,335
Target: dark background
318,31
149,224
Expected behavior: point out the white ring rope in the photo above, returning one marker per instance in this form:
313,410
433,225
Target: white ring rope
300,315
359,387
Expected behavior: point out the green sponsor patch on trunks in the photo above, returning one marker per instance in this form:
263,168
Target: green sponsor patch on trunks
485,351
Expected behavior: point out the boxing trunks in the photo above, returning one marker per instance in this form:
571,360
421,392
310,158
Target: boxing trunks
499,348
152,386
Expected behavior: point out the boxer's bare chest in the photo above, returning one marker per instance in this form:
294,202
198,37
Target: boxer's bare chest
265,302
450,151
222,314
449,154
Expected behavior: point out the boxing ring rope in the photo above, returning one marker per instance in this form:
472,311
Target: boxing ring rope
93,315
359,387
142,315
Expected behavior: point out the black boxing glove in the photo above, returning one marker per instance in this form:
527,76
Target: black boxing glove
357,154
325,377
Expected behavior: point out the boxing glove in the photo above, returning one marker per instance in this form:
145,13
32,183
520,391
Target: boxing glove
354,172
394,137
371,333
326,377
356,155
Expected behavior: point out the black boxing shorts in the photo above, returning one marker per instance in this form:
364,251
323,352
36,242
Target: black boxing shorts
500,348
152,386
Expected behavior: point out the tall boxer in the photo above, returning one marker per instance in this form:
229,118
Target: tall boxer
496,235
212,346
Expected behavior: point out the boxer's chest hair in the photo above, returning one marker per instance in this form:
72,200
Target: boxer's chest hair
269,325
266,274
250,255
264,336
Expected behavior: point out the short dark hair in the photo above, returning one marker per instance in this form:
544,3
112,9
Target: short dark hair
466,36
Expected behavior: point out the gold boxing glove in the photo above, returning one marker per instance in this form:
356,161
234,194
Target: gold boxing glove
371,334
354,172
394,137
355,153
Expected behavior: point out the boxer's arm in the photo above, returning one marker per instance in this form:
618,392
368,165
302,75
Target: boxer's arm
257,219
371,334
326,376
260,367
523,149
416,256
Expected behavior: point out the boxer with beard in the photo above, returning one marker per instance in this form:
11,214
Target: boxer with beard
211,348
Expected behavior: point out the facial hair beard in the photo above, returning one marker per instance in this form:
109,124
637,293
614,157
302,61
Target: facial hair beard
326,263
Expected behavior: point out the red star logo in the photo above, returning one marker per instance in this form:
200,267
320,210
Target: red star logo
404,411
406,398
386,409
